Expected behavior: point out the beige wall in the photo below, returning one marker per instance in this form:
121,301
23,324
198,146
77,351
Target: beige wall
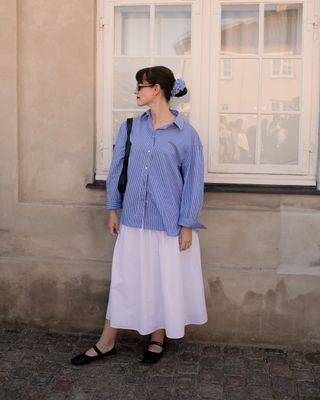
261,253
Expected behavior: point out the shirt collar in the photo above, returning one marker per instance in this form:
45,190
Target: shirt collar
179,121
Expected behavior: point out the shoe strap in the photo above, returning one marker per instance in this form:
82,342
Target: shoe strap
157,343
97,350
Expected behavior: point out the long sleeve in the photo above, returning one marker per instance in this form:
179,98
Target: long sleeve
114,197
192,194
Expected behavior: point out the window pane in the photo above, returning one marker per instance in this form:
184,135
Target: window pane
124,83
173,30
181,69
237,138
119,117
186,116
282,28
280,139
240,29
132,30
238,89
281,85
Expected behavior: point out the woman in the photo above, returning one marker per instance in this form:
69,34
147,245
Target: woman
156,281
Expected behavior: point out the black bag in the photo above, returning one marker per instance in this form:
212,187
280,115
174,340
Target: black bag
124,173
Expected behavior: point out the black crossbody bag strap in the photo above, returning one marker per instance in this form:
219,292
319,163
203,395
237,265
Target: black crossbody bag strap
124,173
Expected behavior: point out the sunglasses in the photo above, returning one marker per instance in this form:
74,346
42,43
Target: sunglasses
141,85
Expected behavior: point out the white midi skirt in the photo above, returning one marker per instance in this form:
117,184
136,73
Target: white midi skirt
154,285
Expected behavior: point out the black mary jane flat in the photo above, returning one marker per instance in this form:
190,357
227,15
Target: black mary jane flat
82,358
150,357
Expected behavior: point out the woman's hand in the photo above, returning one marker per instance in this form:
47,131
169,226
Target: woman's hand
185,238
113,224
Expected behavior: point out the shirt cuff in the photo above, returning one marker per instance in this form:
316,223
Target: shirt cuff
189,223
113,205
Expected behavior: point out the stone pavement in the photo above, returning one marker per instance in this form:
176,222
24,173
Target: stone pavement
35,365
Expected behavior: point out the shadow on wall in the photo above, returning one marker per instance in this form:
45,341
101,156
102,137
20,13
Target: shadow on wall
77,304
265,318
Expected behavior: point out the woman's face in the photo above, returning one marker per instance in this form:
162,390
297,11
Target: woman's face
144,93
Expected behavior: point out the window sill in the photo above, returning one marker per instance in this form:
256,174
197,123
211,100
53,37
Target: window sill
268,189
96,185
232,188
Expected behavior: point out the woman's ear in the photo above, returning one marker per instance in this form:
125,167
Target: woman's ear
156,89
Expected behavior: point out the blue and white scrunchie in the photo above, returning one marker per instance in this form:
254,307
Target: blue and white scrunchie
178,86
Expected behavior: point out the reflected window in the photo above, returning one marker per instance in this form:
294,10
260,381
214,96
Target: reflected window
172,30
240,89
129,20
258,84
281,84
239,29
280,139
282,68
237,136
282,29
226,68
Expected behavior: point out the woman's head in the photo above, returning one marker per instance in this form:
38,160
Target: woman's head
162,76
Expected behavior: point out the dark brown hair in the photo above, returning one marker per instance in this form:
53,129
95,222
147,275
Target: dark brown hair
161,75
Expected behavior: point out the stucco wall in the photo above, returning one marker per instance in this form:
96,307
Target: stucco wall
261,253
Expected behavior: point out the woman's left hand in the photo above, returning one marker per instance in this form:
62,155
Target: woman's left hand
185,238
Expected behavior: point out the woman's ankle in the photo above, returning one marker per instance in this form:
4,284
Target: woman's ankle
158,335
105,345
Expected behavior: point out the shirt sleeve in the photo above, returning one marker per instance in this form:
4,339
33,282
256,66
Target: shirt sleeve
114,197
192,193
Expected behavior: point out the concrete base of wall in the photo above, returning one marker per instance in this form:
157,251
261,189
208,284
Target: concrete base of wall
244,307
63,296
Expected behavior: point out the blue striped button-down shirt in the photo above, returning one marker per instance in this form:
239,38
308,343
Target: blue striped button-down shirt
165,176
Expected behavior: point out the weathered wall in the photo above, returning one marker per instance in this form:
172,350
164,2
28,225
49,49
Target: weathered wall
261,253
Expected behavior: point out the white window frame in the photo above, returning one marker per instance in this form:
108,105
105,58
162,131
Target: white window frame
105,16
206,31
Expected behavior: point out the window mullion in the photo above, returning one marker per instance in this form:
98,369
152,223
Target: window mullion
260,58
152,33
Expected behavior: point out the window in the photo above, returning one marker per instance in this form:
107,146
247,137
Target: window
282,68
226,68
249,67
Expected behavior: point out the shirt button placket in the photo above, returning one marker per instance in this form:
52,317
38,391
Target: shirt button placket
146,168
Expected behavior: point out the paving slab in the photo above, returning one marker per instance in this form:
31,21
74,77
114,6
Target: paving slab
36,365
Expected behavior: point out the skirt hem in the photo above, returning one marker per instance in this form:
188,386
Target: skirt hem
148,332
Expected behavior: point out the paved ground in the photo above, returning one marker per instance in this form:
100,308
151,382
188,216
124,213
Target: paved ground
35,365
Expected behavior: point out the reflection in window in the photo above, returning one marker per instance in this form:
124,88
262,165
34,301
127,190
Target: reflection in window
239,29
282,68
124,83
282,34
244,108
240,90
224,107
226,68
281,83
275,106
280,139
118,118
129,20
278,106
173,30
237,138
